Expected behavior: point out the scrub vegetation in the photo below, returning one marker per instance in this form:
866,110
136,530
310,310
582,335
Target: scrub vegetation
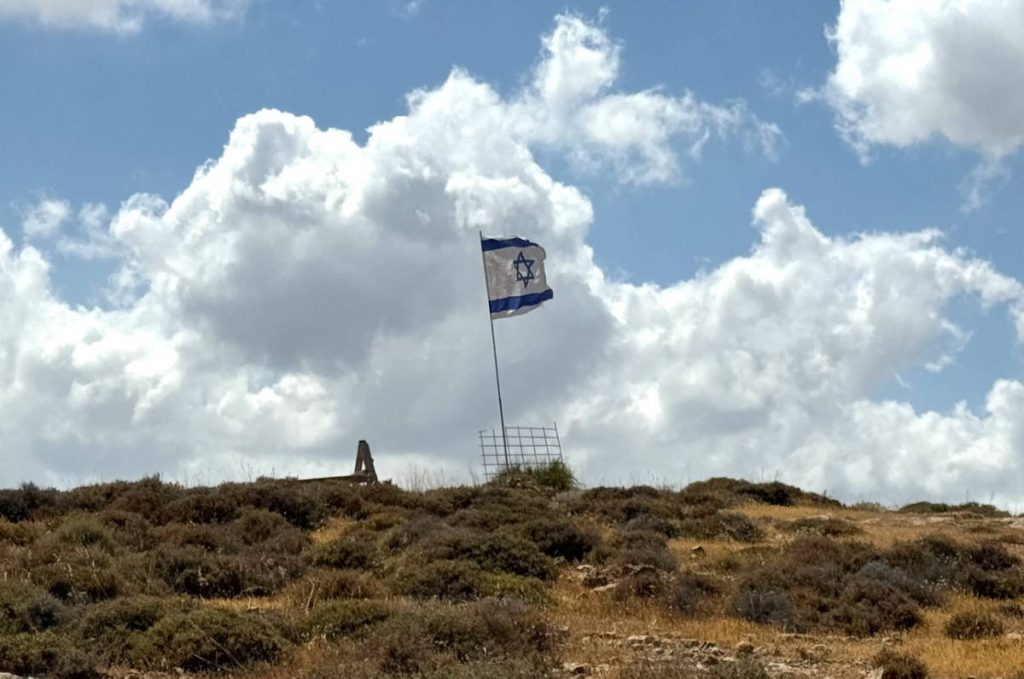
526,576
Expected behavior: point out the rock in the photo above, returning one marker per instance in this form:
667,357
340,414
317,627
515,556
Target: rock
820,650
606,588
594,579
577,669
744,648
640,640
697,552
1015,636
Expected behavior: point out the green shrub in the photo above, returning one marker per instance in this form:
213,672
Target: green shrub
20,534
45,653
496,552
28,501
405,535
208,639
560,538
354,551
334,619
329,585
26,608
645,522
942,508
129,529
114,628
896,665
973,625
452,580
511,586
85,531
720,525
686,592
202,506
827,526
636,548
646,584
78,579
192,571
555,476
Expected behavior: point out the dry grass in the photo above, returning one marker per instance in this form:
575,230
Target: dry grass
333,529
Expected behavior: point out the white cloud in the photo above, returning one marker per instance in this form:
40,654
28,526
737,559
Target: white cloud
306,291
909,71
44,219
119,16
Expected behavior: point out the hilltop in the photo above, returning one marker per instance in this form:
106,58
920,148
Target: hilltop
525,576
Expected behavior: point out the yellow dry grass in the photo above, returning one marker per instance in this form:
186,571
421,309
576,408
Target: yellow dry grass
334,528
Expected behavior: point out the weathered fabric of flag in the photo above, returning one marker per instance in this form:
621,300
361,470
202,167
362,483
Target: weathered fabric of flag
516,283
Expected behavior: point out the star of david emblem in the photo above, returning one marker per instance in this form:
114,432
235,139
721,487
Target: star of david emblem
524,269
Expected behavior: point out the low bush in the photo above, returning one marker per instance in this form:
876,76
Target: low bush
208,639
330,585
827,526
555,476
404,536
496,552
451,580
973,625
942,508
20,534
636,548
27,608
46,654
895,665
335,619
819,584
114,628
192,571
720,525
687,593
560,538
646,584
354,551
78,579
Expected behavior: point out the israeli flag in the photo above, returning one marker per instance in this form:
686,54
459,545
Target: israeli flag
514,271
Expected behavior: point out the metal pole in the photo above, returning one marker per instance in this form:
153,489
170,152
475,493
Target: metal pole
494,347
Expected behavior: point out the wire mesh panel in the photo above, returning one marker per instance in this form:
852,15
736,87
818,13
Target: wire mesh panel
528,447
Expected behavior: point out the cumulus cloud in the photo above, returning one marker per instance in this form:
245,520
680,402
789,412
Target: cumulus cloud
119,16
306,291
909,71
44,219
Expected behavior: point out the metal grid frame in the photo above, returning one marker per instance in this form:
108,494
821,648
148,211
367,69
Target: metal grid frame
528,447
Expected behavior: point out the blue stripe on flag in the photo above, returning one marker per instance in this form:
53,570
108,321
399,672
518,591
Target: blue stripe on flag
499,243
513,303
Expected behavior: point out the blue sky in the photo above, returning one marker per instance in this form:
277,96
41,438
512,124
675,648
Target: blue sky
95,113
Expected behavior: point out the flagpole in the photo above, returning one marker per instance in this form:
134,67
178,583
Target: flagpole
494,347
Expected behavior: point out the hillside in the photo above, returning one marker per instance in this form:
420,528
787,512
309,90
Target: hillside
526,576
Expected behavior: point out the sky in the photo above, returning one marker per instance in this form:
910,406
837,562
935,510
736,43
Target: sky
240,235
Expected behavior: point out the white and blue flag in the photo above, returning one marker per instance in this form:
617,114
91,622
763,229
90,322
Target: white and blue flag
514,269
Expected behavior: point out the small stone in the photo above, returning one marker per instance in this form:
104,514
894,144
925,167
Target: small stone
577,669
697,552
639,640
744,648
605,588
1015,636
